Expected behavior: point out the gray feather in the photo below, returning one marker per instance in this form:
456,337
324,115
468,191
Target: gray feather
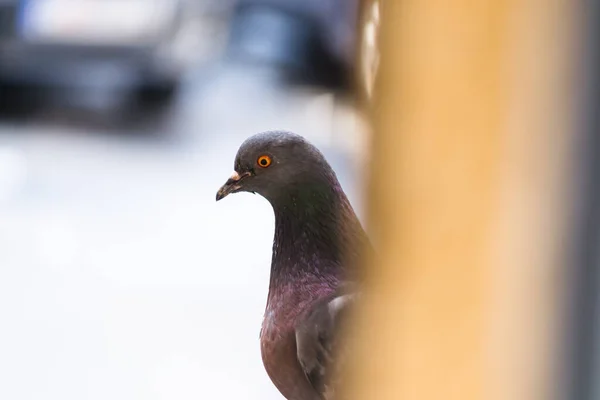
319,341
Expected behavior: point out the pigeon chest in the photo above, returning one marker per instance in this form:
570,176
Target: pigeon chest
278,349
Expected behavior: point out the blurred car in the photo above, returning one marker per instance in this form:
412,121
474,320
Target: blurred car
107,44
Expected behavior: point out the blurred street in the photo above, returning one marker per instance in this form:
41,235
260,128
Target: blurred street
120,276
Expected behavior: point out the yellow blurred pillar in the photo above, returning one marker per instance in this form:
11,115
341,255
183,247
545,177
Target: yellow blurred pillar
470,156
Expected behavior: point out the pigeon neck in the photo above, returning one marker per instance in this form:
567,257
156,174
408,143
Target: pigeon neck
317,235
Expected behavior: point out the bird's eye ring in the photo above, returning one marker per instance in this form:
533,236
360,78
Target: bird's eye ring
264,161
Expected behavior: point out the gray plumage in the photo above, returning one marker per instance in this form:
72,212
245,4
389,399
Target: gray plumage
317,245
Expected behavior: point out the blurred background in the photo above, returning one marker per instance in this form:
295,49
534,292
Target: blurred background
120,277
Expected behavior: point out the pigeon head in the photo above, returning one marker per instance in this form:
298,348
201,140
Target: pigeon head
317,232
277,165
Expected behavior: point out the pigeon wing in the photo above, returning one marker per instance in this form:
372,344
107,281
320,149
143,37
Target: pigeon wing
319,341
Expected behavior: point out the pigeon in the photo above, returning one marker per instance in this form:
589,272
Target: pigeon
317,245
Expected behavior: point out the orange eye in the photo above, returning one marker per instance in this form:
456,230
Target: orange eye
264,161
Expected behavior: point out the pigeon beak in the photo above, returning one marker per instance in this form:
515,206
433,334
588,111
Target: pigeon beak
232,185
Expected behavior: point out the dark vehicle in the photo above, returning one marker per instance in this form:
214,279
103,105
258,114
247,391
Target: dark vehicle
125,45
